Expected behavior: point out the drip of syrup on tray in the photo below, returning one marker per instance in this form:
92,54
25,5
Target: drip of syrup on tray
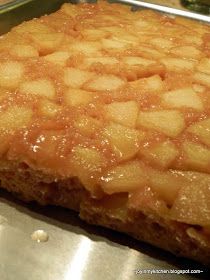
40,236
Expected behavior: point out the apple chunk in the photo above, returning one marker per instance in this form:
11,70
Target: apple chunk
162,154
124,140
190,52
47,42
93,34
196,156
178,64
107,60
14,118
154,83
169,122
124,113
146,200
166,184
24,51
135,60
105,82
124,178
32,27
192,205
199,88
185,97
75,78
151,84
87,126
48,108
11,73
86,164
70,10
202,130
77,97
58,58
90,48
202,78
40,87
162,43
114,44
204,65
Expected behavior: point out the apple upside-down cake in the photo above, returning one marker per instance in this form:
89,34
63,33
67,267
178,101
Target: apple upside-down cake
107,112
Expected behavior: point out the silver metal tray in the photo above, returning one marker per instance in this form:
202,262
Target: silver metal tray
15,12
74,249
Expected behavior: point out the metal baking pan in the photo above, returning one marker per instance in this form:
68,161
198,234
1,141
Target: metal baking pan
74,249
13,12
16,11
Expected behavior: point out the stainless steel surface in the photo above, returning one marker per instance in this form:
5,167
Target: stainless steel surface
16,12
5,4
169,3
167,9
74,249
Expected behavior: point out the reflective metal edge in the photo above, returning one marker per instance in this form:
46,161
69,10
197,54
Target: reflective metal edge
12,14
15,13
12,4
167,9
74,250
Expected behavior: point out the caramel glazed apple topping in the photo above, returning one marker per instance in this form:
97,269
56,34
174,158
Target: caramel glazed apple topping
118,99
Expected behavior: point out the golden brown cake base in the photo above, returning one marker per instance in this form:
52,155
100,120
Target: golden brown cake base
107,112
35,186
